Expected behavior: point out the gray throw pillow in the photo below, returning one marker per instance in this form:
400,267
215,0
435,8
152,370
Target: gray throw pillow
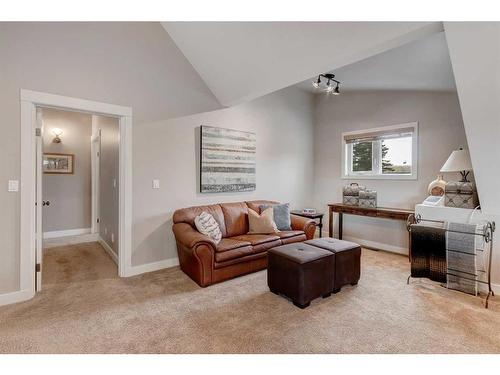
281,215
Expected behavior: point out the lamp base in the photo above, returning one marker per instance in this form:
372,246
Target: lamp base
464,175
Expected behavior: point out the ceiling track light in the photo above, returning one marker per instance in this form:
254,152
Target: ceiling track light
327,85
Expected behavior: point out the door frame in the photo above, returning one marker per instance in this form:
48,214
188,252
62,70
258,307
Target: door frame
29,101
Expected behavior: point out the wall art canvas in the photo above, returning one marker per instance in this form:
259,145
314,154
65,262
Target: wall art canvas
227,160
58,163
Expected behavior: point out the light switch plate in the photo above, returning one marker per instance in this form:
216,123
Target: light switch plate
13,185
156,184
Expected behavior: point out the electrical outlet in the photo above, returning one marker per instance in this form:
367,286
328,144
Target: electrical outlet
105,230
156,184
112,238
114,182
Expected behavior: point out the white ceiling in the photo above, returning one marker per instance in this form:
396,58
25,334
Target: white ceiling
420,65
241,61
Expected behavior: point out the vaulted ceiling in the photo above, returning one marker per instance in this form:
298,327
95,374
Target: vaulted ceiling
420,65
241,61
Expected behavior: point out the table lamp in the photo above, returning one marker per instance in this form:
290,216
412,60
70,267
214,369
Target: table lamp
458,161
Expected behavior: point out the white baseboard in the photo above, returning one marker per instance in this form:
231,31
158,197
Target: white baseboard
66,233
108,249
154,266
496,289
14,297
374,245
69,240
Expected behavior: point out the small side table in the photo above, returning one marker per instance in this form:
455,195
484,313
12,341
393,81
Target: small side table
317,216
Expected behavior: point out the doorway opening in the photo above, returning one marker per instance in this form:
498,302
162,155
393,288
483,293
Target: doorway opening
41,165
79,184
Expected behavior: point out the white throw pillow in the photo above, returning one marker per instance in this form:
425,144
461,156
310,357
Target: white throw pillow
207,225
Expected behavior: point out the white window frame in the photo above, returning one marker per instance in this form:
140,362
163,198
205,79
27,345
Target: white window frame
347,155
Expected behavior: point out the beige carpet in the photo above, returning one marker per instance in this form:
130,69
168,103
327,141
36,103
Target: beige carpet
86,308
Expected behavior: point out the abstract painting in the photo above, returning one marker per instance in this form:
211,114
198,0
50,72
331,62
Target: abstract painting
227,160
58,163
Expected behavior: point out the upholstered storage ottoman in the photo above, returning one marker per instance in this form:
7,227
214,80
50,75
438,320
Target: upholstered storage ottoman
300,272
347,260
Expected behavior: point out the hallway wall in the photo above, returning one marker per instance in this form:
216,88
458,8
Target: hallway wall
70,195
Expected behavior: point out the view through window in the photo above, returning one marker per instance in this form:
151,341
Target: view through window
380,152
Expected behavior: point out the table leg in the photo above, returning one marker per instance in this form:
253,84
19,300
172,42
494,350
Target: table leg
320,227
409,247
330,222
341,224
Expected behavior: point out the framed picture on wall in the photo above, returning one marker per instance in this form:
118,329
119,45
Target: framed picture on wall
54,163
227,162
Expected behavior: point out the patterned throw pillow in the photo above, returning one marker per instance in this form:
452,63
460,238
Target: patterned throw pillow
207,225
263,223
281,215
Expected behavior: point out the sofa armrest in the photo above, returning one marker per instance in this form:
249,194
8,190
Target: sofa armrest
196,253
305,224
189,237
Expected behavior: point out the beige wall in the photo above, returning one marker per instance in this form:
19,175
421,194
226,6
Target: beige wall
166,150
109,169
441,130
132,64
69,195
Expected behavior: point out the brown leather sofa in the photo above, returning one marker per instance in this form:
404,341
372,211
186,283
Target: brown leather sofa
238,253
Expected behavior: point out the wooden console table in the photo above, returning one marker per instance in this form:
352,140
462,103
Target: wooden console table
379,212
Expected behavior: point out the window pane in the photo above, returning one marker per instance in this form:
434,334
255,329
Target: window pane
362,157
396,155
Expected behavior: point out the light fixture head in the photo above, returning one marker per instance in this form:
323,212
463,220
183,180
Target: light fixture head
327,86
57,132
317,83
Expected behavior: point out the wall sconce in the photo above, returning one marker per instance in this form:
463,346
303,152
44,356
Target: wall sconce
57,132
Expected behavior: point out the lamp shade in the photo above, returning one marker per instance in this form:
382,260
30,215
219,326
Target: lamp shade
458,161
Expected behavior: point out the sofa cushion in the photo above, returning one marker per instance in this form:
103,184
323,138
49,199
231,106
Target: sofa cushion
234,253
299,238
256,239
230,244
289,233
266,246
187,215
235,218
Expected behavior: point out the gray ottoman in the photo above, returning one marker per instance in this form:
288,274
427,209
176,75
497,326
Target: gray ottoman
347,260
300,272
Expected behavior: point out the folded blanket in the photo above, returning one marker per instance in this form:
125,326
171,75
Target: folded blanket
461,256
428,252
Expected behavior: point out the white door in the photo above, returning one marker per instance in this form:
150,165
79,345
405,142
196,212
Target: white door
38,206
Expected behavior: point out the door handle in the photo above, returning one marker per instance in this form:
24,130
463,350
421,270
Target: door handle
45,203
